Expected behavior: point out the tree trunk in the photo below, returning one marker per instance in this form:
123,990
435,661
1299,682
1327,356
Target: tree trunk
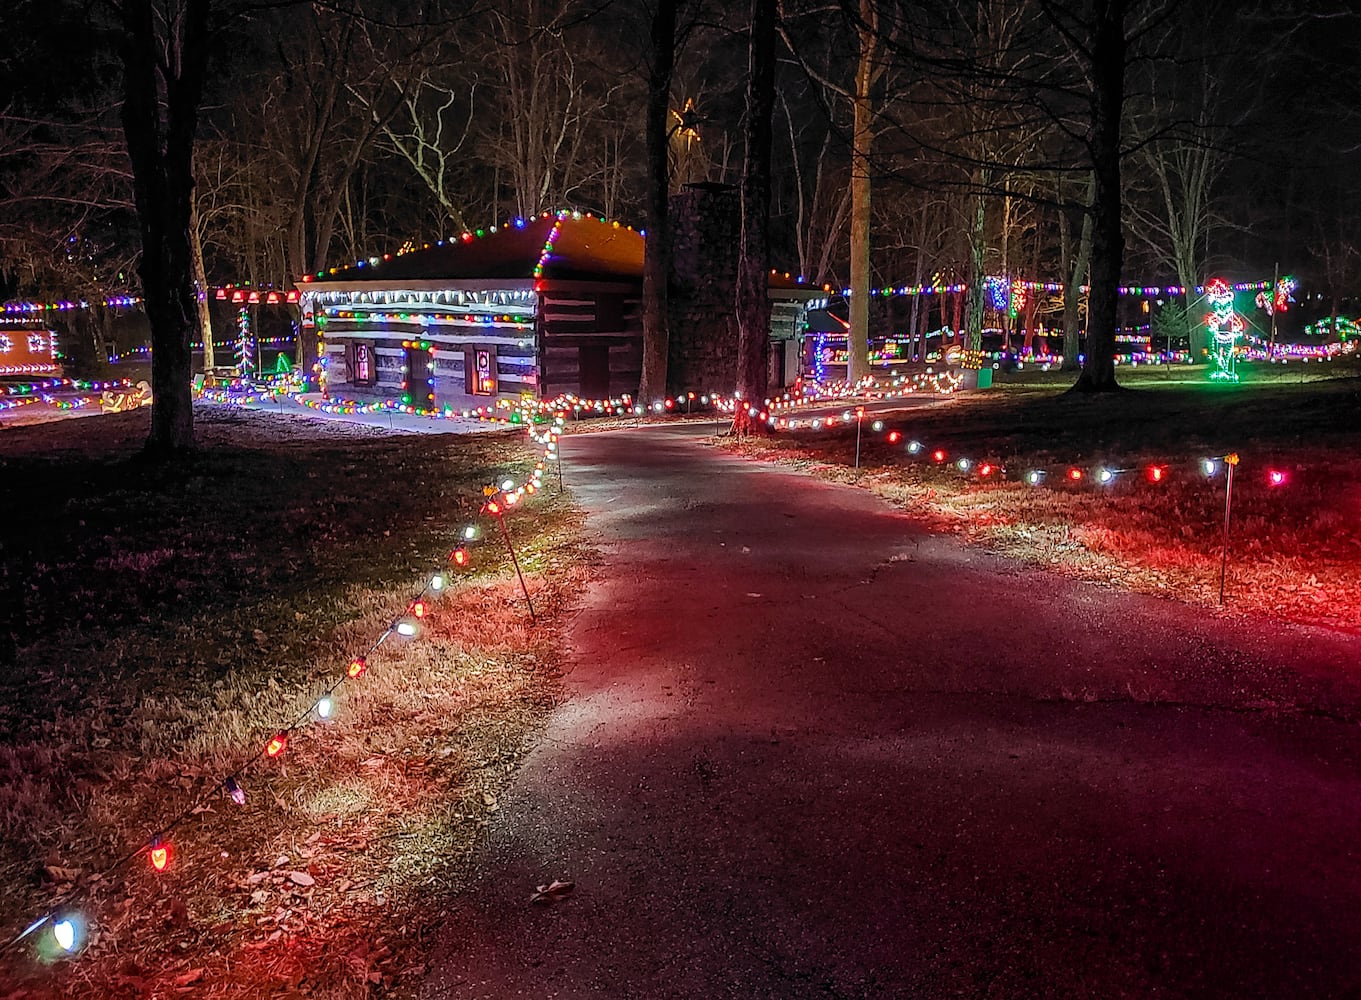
160,116
1072,288
858,335
205,317
1108,241
924,329
1005,254
753,270
657,248
977,260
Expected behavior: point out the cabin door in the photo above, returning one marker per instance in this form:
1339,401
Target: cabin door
420,378
594,361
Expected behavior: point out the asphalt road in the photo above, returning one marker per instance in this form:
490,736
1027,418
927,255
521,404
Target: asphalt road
810,751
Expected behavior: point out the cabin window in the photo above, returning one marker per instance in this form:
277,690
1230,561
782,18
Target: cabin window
479,369
363,364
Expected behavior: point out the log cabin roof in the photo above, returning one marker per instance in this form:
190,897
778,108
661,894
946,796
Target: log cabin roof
565,246
562,247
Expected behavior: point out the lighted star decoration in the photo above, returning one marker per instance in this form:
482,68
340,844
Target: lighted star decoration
687,121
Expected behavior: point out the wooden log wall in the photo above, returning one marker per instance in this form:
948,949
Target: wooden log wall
578,325
455,322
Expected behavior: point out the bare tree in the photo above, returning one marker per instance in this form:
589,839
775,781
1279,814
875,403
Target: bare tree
753,267
822,199
656,250
432,133
165,49
1074,260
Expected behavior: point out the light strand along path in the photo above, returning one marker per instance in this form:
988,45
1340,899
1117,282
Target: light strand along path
808,750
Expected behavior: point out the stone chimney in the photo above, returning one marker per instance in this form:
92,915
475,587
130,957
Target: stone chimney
706,233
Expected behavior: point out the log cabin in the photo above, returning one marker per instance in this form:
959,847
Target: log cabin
536,307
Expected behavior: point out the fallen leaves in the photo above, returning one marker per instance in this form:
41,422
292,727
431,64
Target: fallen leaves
190,977
552,892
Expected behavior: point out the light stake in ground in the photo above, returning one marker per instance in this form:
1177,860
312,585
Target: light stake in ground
497,511
1230,462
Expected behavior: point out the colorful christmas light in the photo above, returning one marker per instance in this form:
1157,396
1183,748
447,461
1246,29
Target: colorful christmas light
1225,327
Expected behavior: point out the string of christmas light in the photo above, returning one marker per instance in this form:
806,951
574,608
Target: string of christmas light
144,350
40,369
246,295
527,411
59,384
65,925
999,290
66,305
990,470
1263,350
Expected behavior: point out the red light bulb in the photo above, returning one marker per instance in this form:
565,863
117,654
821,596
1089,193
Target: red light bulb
159,854
1075,475
985,469
938,455
357,666
1156,473
460,557
1276,478
894,437
418,609
276,746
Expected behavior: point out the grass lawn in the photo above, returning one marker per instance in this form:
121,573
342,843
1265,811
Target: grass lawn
1296,548
157,625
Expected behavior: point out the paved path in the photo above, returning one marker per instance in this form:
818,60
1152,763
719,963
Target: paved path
808,751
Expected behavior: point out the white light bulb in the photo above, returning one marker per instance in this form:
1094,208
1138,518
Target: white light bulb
877,426
1210,466
963,464
1034,478
437,583
508,484
324,708
1104,475
913,447
406,628
470,532
65,933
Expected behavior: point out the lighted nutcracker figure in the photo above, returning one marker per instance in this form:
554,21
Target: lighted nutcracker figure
1225,326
